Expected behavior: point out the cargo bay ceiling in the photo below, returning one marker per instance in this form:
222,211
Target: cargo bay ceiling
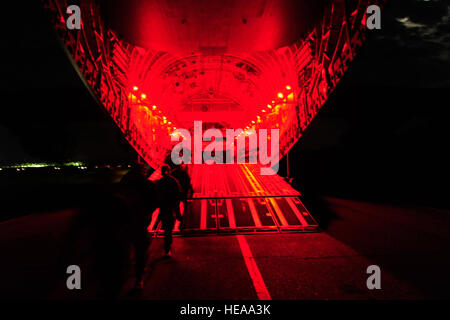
160,65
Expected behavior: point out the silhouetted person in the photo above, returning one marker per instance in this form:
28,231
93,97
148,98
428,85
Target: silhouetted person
99,224
140,197
115,218
170,196
180,172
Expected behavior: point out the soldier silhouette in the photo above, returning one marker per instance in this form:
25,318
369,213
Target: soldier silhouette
140,197
170,195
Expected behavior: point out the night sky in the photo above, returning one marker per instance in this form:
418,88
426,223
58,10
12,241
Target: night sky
384,131
387,119
48,115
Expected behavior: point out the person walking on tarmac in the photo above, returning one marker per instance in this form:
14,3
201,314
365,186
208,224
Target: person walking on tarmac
169,204
180,172
140,197
115,219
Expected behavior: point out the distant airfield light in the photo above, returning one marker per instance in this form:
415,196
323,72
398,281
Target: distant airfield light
73,164
280,95
135,88
288,87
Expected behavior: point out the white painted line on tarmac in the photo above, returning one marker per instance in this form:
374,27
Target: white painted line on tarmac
257,279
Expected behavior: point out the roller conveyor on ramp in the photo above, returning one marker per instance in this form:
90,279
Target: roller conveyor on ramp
231,198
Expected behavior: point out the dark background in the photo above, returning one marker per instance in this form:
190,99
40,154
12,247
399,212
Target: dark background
382,136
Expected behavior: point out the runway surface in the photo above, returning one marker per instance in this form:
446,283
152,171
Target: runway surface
410,244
